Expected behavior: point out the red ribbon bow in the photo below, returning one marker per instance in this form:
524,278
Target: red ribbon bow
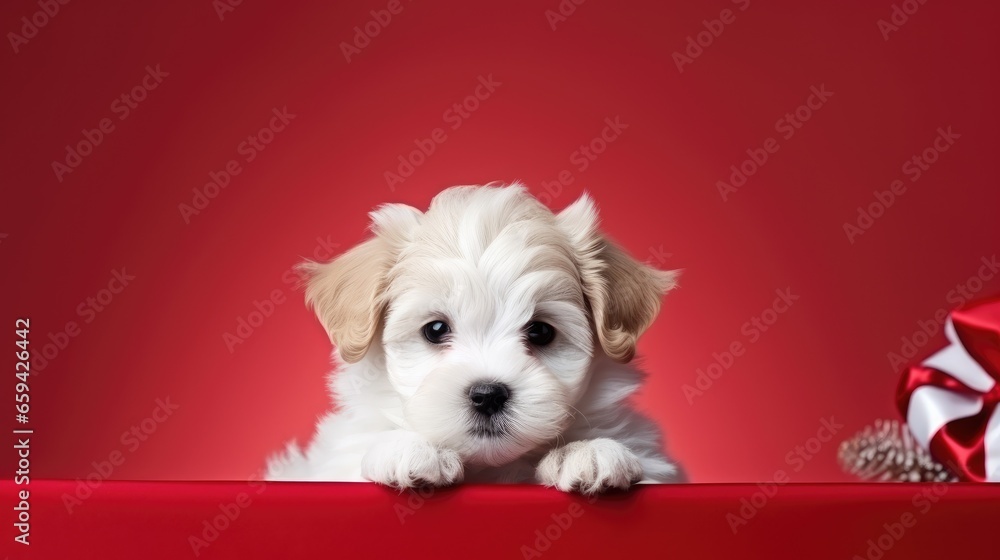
950,399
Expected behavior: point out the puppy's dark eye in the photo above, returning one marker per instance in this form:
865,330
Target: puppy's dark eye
435,331
540,333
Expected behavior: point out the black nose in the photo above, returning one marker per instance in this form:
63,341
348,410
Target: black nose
488,398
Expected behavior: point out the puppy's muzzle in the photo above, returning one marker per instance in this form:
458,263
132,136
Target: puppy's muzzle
488,399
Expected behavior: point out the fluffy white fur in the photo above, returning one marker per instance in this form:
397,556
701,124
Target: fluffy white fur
488,261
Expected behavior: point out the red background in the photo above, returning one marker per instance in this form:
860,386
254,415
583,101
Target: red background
162,336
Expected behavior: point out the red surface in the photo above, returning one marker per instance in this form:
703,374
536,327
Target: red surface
293,520
828,356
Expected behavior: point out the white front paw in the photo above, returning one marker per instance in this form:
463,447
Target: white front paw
590,466
406,460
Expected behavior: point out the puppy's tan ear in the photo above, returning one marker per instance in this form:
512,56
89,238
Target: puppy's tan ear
348,293
624,294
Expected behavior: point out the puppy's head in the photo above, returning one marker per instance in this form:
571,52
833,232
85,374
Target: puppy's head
486,309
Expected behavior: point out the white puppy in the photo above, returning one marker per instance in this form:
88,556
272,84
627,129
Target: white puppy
486,340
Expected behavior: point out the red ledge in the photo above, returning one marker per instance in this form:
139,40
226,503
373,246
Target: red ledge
153,520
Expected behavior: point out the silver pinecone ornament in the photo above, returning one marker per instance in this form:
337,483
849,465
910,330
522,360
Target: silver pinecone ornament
887,452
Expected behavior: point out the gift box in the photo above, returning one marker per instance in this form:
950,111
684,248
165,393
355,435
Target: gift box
950,399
